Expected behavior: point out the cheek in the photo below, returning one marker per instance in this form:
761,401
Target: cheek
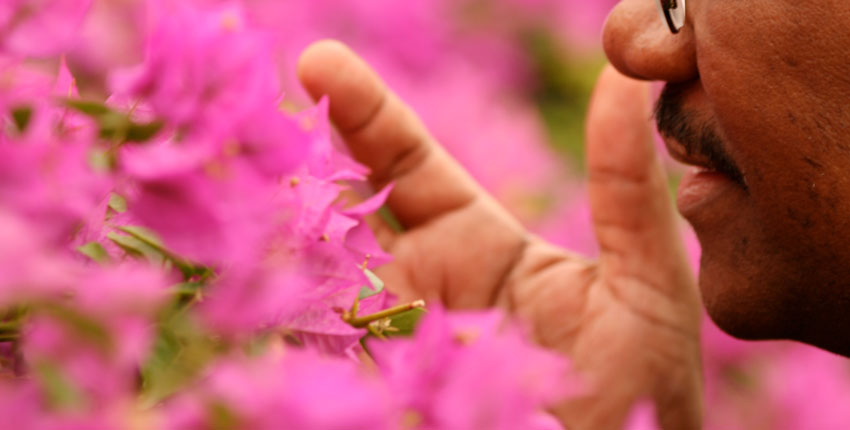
776,77
777,83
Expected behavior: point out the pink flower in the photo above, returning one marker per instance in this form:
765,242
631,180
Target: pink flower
45,172
300,390
40,28
30,267
324,160
106,325
212,214
244,300
580,22
320,326
21,85
471,370
642,417
83,347
205,69
810,389
50,182
112,36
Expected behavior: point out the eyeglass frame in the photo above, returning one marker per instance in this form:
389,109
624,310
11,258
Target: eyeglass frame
665,6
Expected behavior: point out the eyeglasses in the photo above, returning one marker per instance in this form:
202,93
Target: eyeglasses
674,13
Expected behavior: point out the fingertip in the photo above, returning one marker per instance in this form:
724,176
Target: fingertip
330,68
619,127
617,96
318,61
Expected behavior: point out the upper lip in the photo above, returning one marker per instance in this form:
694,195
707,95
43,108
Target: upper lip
681,154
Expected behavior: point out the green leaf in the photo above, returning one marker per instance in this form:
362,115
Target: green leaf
377,285
116,125
152,239
180,354
9,327
187,292
137,248
59,390
406,322
113,125
258,345
143,242
390,219
22,116
145,235
119,127
117,203
142,132
82,326
101,161
95,251
222,417
91,108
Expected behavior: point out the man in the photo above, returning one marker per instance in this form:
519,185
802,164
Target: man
755,98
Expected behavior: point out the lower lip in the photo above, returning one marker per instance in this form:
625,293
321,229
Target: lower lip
699,187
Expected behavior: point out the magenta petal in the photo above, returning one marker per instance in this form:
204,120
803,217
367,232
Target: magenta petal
371,204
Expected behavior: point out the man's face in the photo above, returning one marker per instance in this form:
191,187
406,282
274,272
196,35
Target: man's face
759,91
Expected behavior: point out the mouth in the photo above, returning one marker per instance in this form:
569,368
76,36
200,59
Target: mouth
706,181
705,161
690,135
713,190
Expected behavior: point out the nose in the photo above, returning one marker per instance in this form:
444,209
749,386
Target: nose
639,44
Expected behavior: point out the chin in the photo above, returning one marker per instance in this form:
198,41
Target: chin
753,292
740,293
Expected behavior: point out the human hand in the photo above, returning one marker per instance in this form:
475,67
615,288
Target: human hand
629,320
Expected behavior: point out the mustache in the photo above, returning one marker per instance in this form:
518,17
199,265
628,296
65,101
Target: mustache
698,137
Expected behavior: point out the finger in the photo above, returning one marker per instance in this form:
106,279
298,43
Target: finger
383,133
632,212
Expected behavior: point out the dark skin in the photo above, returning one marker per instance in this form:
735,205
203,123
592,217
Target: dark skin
770,77
629,320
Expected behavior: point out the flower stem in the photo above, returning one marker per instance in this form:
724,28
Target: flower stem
361,322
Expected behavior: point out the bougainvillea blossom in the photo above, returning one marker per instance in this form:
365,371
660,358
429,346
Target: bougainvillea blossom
40,28
455,373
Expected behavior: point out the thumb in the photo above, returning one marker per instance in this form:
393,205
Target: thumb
632,212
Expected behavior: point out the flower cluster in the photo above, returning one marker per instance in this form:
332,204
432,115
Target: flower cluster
178,249
168,224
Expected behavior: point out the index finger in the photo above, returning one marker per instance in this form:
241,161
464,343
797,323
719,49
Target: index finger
632,212
386,135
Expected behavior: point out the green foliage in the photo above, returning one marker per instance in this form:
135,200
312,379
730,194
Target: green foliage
60,393
564,84
91,108
101,160
81,325
95,252
137,248
377,285
181,352
9,331
389,217
222,417
115,125
405,323
21,116
143,243
117,203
